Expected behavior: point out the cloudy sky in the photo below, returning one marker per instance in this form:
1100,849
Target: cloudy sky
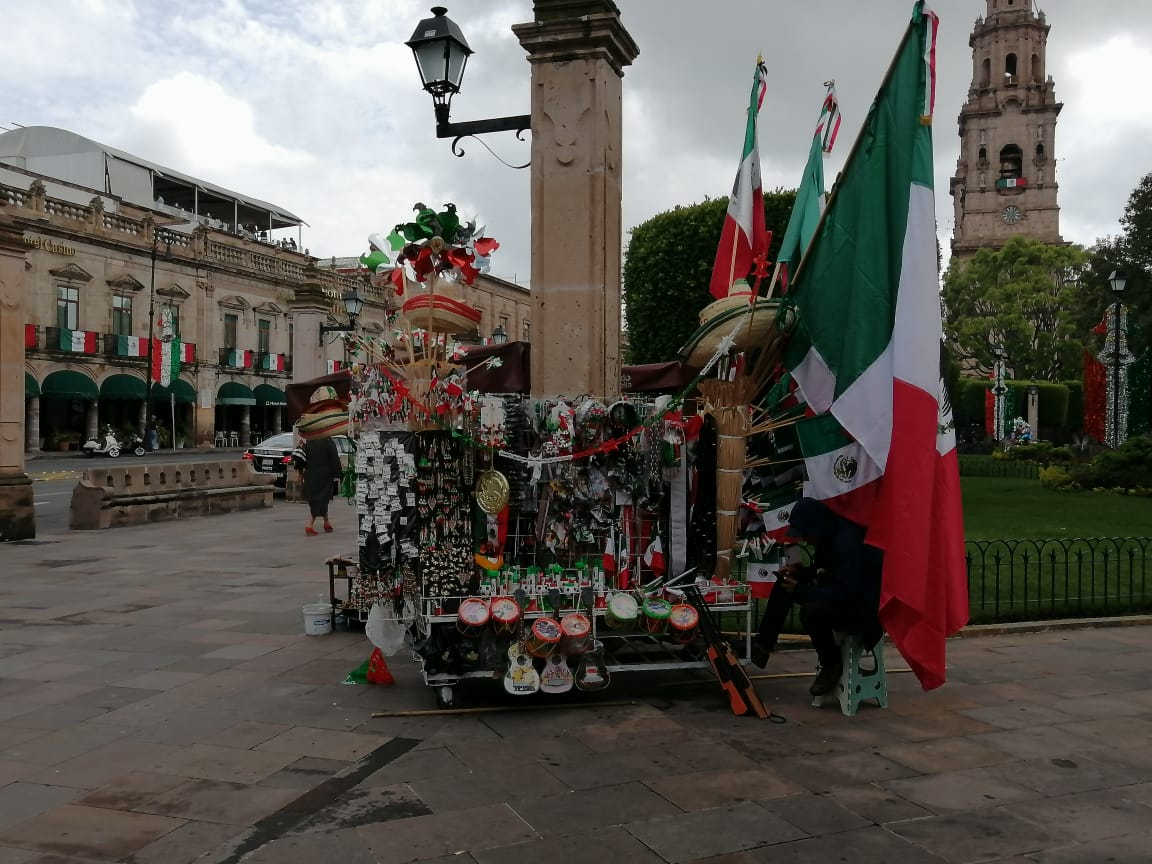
315,105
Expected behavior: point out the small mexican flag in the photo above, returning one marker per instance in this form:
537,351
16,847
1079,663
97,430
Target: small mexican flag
80,341
187,352
761,577
273,362
165,361
240,358
333,366
131,346
775,512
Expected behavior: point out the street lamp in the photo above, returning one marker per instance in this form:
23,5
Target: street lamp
353,306
999,392
158,234
1117,281
499,335
441,53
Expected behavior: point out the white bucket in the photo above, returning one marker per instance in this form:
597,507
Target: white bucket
317,619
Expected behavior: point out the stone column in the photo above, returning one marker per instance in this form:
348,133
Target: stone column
309,307
245,425
577,49
142,425
32,430
17,515
277,420
92,421
1034,411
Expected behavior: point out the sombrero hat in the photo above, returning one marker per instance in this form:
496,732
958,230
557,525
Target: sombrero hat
441,314
756,326
325,416
739,297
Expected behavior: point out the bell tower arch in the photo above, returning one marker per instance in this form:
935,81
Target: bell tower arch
1005,181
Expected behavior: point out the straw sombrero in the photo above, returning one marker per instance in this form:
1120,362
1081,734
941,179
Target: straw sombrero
447,315
325,416
758,329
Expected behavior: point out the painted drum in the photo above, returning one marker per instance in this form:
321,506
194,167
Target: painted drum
657,611
575,634
544,638
472,616
682,623
621,612
505,613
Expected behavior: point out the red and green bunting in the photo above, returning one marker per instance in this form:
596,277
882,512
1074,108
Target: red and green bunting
78,341
880,449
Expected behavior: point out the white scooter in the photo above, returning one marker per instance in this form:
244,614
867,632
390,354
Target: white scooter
110,447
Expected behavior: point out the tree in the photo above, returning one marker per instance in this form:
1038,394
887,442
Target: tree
1023,297
1137,222
667,268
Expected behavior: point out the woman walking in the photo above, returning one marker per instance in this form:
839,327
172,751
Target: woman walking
321,473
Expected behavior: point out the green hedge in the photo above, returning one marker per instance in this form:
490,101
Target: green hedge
1055,399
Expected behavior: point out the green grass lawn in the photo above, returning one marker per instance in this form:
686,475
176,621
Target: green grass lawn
999,508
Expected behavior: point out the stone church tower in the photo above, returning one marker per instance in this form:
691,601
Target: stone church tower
1005,181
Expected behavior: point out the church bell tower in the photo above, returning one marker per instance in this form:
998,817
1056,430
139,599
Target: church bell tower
1005,181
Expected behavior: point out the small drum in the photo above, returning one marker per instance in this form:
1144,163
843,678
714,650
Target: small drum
575,634
471,617
657,611
682,623
544,638
622,611
505,613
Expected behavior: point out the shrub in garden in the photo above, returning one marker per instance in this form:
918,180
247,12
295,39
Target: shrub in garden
1128,468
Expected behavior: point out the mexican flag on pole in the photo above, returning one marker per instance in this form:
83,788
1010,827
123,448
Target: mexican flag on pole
165,361
79,341
866,353
810,196
743,236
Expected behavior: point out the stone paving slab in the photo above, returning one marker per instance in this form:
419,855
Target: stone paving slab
132,691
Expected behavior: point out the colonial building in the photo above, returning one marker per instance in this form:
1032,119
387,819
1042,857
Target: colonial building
120,249
1005,181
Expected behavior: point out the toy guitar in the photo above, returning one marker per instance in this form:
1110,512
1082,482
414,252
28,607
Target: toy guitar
520,677
556,677
741,693
591,672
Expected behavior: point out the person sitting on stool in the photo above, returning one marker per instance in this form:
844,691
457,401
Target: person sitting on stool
839,590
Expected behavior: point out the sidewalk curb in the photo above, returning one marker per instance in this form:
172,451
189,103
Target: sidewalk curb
1008,628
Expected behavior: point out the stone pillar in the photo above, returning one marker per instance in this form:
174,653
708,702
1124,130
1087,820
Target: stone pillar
277,420
142,425
32,425
17,514
92,421
1034,411
577,49
245,425
309,307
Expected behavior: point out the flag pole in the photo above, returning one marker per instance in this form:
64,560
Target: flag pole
852,153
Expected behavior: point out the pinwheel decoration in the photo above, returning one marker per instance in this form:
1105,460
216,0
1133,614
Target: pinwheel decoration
433,243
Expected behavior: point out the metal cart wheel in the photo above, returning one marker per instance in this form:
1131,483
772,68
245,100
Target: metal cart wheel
445,698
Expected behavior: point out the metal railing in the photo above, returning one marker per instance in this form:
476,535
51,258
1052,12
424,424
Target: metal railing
972,465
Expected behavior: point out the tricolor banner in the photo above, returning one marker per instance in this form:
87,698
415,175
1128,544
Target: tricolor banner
30,336
187,352
272,363
165,361
761,577
131,346
78,341
240,358
333,366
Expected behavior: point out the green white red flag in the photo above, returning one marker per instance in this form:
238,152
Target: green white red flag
810,196
78,341
165,360
866,353
743,237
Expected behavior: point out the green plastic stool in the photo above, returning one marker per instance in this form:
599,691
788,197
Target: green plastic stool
858,682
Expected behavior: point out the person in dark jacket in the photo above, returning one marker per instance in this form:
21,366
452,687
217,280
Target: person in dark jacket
321,467
839,590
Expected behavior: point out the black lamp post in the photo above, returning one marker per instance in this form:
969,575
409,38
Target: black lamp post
1117,281
499,335
353,306
999,392
441,53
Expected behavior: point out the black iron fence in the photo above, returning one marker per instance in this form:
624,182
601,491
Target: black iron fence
1028,580
973,465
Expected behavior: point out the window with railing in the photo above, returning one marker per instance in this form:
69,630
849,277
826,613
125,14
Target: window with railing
121,315
67,307
263,335
231,322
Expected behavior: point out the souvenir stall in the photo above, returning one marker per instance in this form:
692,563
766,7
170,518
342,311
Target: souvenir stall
542,543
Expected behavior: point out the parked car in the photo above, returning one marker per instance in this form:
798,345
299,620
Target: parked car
274,455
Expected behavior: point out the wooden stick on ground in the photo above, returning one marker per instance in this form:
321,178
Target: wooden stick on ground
492,709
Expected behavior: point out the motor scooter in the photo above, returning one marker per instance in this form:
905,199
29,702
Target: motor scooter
109,447
136,445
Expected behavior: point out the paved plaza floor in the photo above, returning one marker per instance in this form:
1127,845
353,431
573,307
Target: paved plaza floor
160,704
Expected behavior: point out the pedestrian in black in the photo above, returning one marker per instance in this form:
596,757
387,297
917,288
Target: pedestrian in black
319,461
839,590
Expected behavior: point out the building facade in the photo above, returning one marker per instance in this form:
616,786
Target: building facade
1005,182
119,250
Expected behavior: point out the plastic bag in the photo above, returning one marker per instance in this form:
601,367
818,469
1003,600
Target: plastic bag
384,630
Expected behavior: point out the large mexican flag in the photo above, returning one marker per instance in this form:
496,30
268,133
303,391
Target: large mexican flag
866,357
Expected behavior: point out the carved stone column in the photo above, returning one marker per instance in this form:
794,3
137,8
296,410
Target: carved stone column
310,307
577,49
245,425
17,515
92,421
32,426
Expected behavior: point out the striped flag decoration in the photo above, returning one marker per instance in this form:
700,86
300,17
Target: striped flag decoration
187,352
78,341
333,366
240,358
273,363
131,346
30,336
165,361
